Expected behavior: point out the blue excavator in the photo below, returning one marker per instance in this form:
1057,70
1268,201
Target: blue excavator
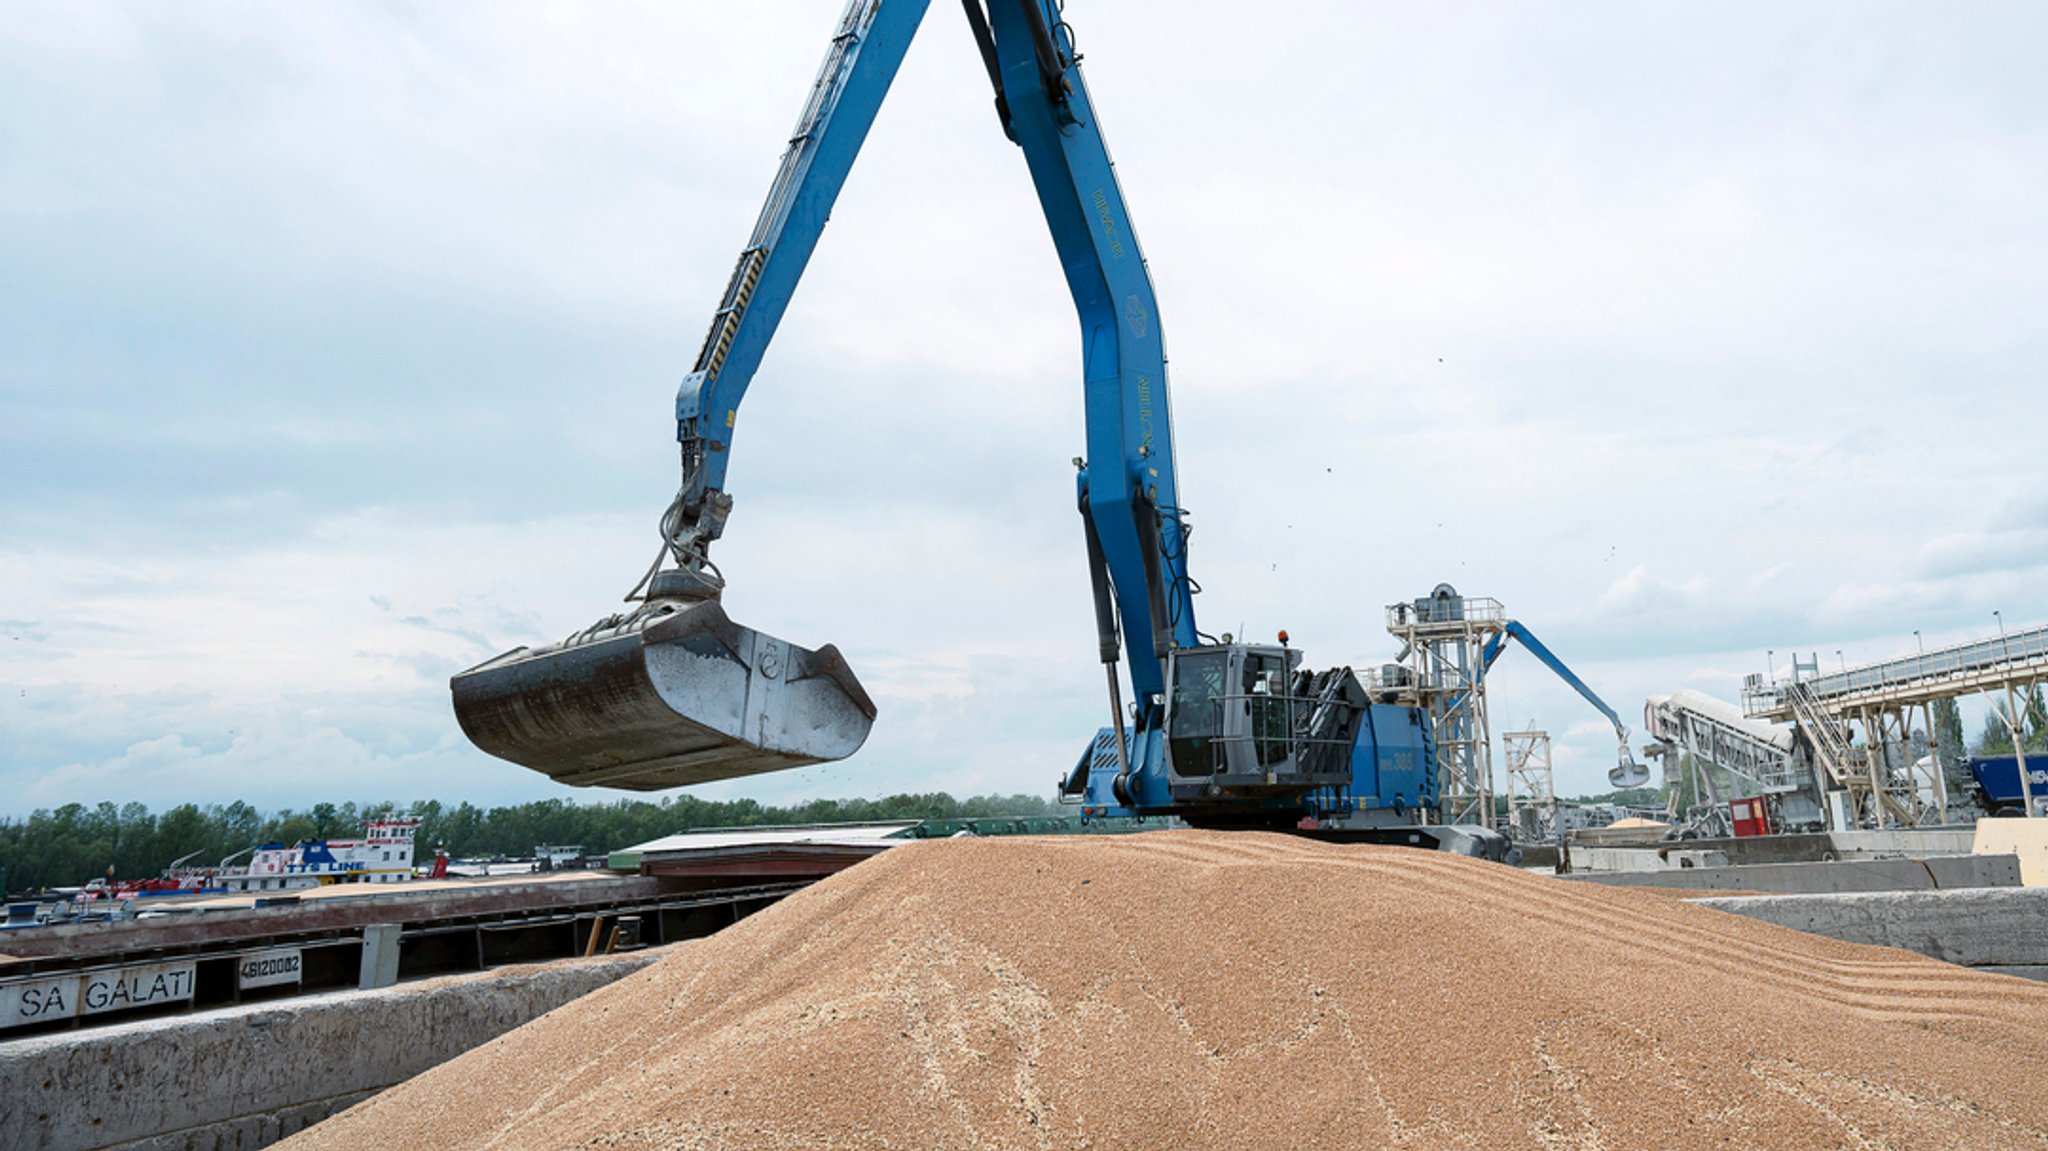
1217,732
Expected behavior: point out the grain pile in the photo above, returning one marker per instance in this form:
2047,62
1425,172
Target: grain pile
1194,990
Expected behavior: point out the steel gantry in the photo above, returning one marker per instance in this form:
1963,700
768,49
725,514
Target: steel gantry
1443,670
1889,779
1448,642
1532,786
1755,758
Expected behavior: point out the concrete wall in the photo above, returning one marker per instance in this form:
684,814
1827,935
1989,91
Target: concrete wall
1902,841
1993,928
243,1077
1839,877
1591,852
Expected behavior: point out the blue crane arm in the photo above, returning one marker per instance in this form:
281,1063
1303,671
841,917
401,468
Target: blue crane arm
1128,491
866,51
674,691
1514,628
1127,488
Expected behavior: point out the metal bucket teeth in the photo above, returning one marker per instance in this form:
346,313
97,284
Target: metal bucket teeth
691,697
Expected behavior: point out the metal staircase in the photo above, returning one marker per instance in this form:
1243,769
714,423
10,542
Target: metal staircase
1866,777
1824,734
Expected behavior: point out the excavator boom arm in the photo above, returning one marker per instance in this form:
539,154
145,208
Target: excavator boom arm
866,51
1127,485
674,692
1626,773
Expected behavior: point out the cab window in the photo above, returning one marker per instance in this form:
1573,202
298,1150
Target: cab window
1199,683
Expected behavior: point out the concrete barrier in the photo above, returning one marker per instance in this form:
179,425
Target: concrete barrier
1589,853
2027,839
1996,928
1942,872
244,1077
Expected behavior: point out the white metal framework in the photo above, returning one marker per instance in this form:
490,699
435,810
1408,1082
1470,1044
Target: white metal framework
1757,758
1532,786
1887,779
1443,637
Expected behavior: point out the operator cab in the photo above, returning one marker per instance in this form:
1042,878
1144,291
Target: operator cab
1243,721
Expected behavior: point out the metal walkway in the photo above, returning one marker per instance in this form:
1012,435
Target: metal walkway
1964,669
1893,777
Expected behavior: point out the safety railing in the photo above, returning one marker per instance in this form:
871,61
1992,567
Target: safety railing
1277,728
1458,610
2012,651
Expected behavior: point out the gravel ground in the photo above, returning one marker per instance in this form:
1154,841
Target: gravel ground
1194,990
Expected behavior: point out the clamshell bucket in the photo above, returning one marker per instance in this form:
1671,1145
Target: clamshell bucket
1628,773
680,695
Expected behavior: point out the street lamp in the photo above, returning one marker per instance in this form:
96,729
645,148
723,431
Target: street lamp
1770,665
1840,660
1918,640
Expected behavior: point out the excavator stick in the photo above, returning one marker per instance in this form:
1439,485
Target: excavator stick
676,695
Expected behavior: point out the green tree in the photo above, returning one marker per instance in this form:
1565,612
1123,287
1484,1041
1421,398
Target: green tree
240,824
1948,729
182,831
1996,738
2034,720
1949,746
75,843
1686,785
292,828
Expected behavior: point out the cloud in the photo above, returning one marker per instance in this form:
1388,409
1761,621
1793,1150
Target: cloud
2024,512
275,764
2017,549
1639,593
2014,538
338,349
1954,577
22,631
1769,575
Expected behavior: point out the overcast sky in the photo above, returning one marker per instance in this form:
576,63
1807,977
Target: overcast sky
338,345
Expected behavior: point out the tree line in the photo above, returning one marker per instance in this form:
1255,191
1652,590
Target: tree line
1996,738
76,842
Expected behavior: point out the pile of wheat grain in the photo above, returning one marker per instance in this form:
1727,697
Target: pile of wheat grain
1193,990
